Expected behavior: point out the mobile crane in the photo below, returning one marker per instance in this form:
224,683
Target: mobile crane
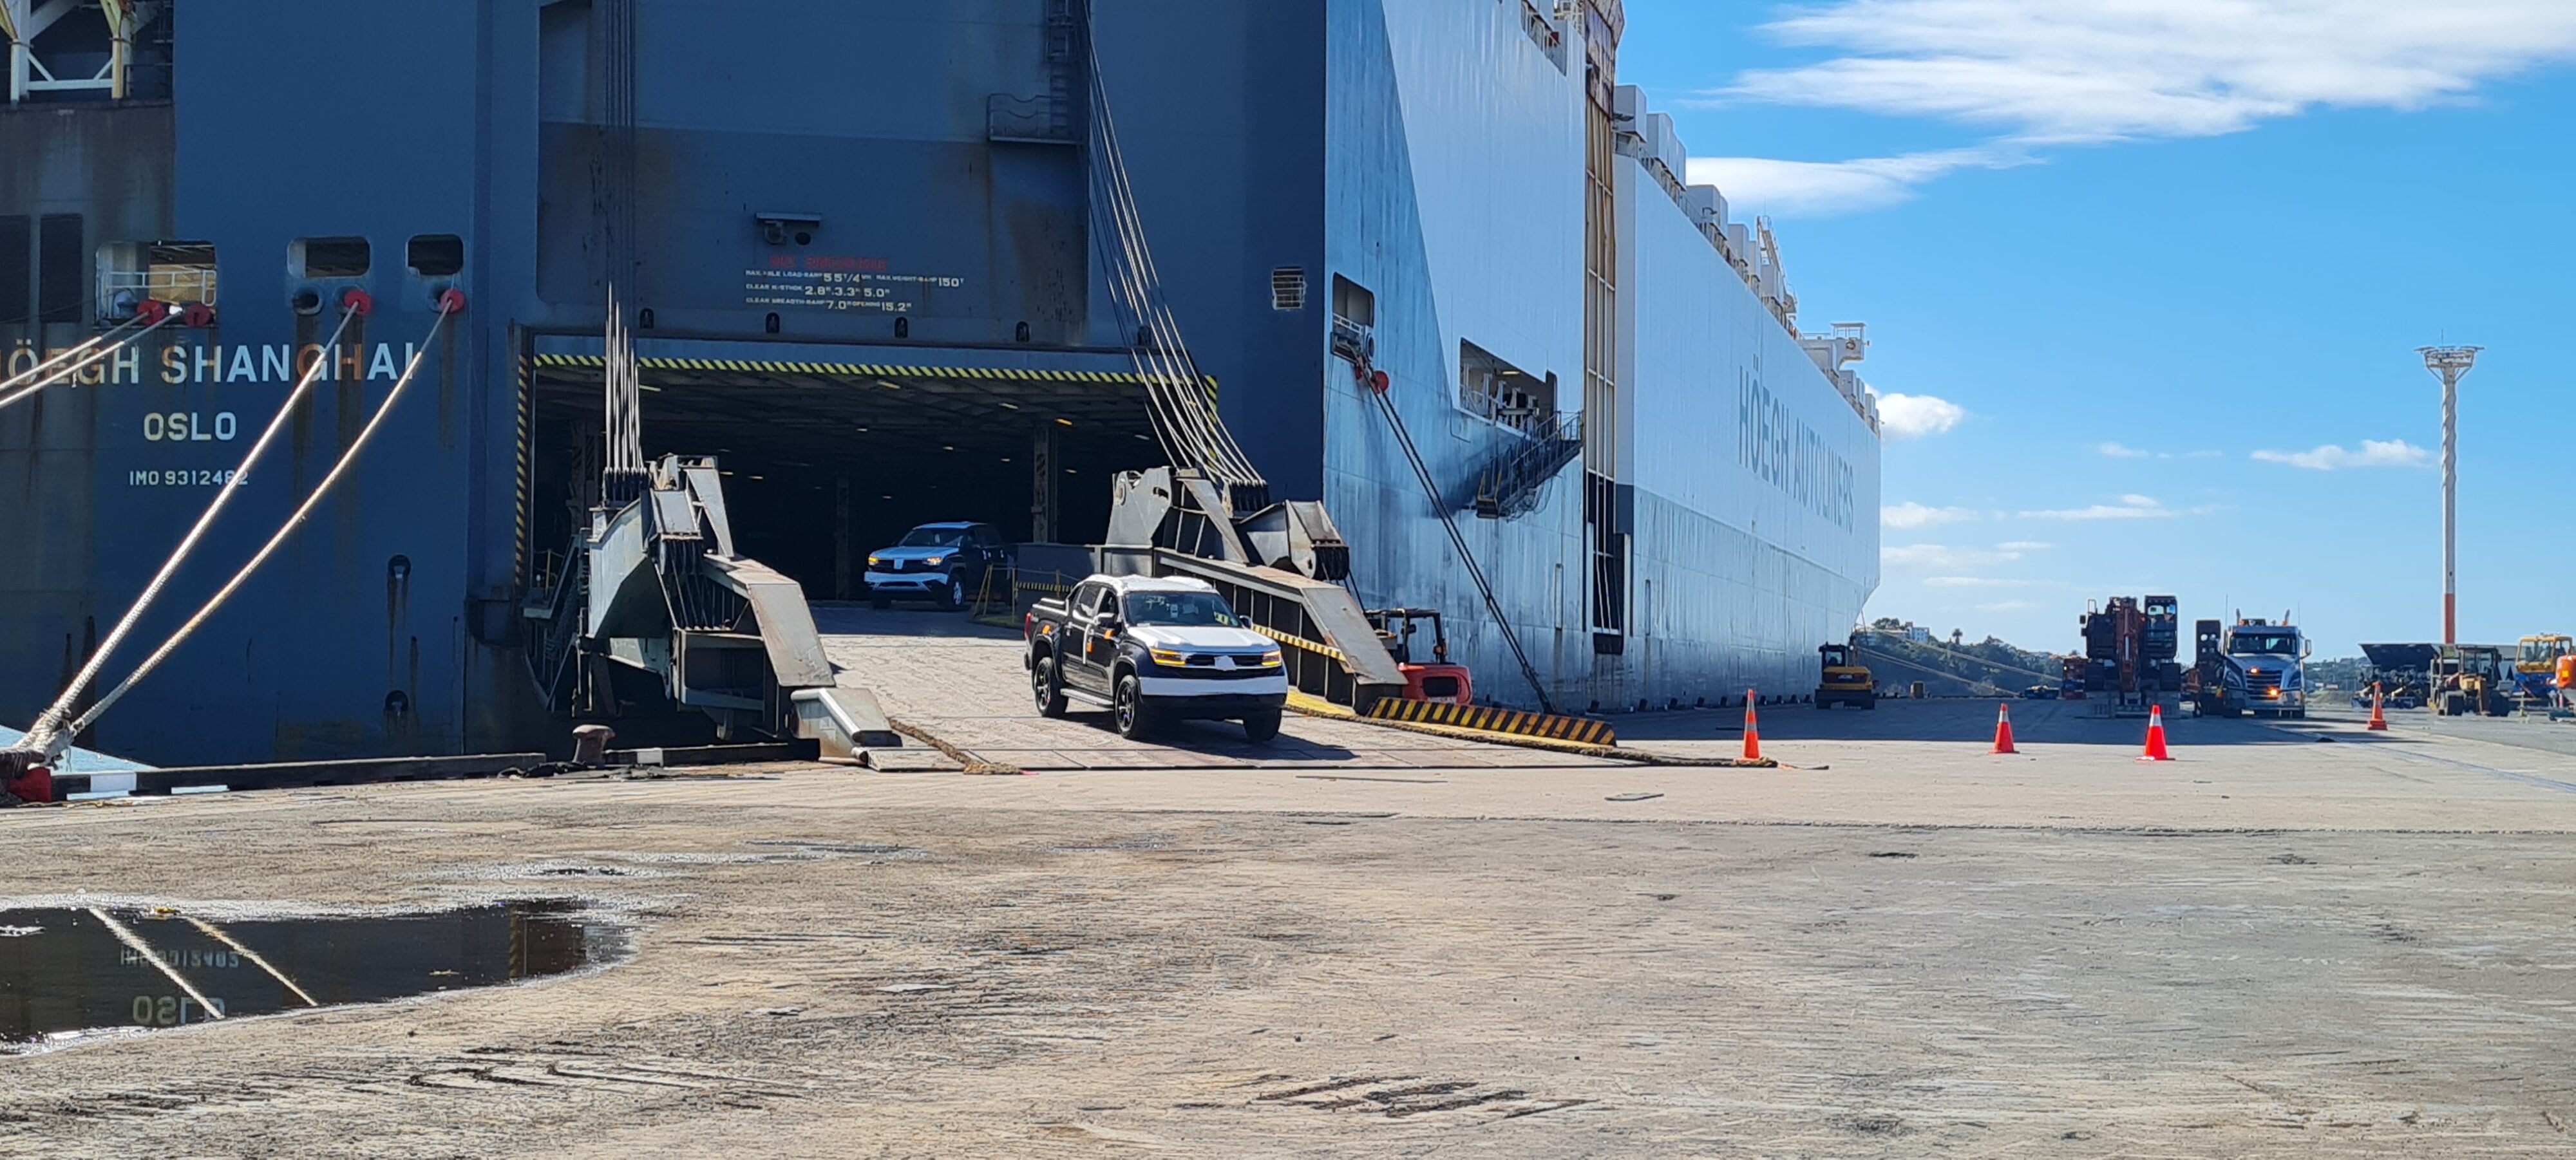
2129,648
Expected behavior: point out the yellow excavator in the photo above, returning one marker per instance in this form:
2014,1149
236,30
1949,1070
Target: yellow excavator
1845,680
2536,663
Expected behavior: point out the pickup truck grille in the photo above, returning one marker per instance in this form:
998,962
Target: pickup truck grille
1215,674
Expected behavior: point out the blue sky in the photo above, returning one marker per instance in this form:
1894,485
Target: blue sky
2151,274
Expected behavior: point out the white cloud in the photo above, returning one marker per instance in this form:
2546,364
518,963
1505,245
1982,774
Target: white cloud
2117,451
2130,507
1831,187
1943,557
2332,457
1915,416
2046,72
1914,515
2023,546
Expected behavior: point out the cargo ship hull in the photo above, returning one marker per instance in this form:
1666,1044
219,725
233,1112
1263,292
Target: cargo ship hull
877,310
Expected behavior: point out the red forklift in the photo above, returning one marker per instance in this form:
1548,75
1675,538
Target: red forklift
1425,679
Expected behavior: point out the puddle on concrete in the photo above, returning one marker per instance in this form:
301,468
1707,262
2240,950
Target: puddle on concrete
65,971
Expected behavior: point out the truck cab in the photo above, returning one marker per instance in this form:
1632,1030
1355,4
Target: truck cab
2259,668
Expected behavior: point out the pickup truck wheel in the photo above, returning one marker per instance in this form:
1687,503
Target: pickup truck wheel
1046,681
1262,727
953,595
1127,709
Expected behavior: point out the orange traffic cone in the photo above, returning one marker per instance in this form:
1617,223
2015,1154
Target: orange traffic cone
2003,729
2378,718
2156,736
1752,730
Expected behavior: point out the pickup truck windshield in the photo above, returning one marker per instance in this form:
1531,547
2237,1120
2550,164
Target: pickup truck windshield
2259,644
933,538
1179,608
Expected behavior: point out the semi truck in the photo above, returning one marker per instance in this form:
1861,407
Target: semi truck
2253,666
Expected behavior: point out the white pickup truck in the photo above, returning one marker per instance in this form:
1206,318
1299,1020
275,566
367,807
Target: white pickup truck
1153,650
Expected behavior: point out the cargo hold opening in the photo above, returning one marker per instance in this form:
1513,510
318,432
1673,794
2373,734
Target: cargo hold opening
824,462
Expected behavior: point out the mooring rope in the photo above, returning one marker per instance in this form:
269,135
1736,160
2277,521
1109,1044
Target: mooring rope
56,370
67,353
312,500
47,735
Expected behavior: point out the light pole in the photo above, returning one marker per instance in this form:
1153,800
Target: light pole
2450,362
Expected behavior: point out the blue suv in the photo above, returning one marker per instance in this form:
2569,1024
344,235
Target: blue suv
947,563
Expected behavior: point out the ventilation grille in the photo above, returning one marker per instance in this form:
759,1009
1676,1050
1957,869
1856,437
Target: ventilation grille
1288,288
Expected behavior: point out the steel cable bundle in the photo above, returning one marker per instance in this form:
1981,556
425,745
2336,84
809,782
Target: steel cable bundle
1185,423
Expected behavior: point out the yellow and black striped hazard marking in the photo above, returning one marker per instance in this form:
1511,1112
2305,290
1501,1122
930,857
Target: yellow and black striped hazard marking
1298,642
1582,730
876,370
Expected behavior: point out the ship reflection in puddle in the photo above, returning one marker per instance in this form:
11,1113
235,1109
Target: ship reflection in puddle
68,970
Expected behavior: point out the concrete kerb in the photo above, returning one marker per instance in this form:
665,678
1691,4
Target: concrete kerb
1313,706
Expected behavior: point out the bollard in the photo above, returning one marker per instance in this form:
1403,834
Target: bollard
590,744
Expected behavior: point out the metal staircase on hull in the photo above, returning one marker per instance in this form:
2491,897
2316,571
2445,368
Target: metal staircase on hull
1510,485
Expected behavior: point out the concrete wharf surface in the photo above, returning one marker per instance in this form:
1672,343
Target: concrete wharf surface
2297,940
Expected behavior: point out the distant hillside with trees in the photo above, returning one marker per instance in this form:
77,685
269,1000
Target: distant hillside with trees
1899,654
2339,672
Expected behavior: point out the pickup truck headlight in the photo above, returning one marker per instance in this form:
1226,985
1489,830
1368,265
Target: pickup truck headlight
873,561
936,561
1164,656
1270,658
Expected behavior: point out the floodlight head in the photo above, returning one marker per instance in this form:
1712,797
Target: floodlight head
2456,359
